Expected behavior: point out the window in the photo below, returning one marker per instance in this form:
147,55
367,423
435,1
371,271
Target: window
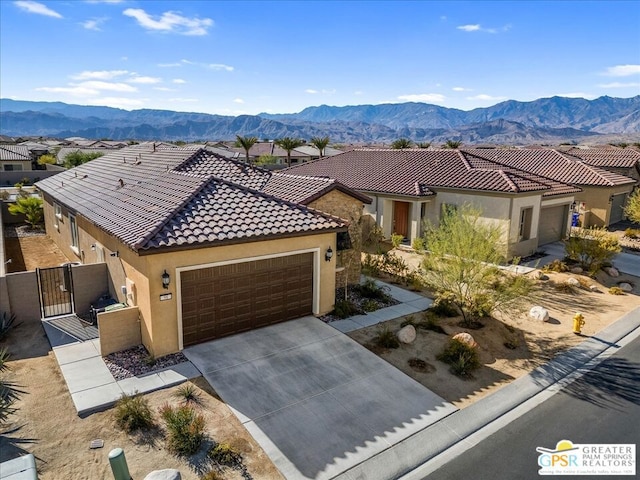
343,241
12,168
73,226
57,210
524,231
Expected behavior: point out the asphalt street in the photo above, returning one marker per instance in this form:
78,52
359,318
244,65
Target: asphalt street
603,406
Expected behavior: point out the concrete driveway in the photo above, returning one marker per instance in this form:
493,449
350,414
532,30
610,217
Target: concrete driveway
316,401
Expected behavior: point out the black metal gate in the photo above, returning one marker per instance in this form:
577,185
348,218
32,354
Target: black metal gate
56,291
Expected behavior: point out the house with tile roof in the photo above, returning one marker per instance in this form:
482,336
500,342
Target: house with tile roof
203,246
603,192
411,187
623,161
14,158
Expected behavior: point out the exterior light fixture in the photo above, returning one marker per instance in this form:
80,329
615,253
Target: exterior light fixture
611,198
573,206
166,279
328,254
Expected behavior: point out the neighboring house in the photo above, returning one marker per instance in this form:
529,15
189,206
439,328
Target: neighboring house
204,246
314,153
623,161
411,187
15,158
298,155
64,151
603,193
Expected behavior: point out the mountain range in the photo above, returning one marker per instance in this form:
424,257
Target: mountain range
546,120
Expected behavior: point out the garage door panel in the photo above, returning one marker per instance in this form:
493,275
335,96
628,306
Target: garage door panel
227,299
552,224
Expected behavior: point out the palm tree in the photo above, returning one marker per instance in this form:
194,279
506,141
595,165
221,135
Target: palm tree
452,144
424,144
320,143
30,207
288,144
402,143
246,143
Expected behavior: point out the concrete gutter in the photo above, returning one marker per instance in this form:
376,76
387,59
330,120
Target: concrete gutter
411,453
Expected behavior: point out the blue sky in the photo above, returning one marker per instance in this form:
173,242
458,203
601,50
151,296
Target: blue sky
238,57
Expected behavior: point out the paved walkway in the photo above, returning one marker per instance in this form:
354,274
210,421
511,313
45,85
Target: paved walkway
90,382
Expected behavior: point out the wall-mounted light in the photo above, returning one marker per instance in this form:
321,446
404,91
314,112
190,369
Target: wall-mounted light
611,198
93,247
115,254
166,279
328,254
573,206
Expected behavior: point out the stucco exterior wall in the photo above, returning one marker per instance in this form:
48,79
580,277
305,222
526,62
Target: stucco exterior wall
119,330
350,209
596,201
89,283
22,296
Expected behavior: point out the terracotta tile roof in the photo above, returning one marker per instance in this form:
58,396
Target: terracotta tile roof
606,157
417,172
15,152
552,164
304,190
136,195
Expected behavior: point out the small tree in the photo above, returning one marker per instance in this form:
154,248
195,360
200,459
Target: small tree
401,143
452,144
320,143
31,207
246,143
461,265
632,209
424,144
47,160
288,144
267,159
592,247
75,159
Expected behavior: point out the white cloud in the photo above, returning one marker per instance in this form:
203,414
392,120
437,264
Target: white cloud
164,89
117,102
461,89
486,98
104,1
78,91
37,8
93,24
169,65
112,87
469,28
622,70
576,95
620,85
220,66
179,81
238,100
422,97
145,80
99,74
184,100
323,91
311,91
170,22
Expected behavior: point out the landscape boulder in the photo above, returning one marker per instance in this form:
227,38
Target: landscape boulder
625,287
465,337
407,334
573,282
166,474
594,288
612,272
539,313
576,270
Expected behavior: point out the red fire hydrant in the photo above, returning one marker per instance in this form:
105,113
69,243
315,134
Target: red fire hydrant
578,323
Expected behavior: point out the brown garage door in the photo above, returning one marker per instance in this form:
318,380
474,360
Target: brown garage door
227,299
552,224
617,208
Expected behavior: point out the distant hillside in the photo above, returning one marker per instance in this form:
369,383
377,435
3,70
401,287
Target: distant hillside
547,120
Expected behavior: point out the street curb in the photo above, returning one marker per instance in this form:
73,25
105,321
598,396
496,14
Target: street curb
421,447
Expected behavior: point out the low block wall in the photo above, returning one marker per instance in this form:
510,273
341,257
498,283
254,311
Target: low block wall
119,330
22,296
90,281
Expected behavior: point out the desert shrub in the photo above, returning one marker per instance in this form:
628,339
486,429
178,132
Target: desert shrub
430,322
369,305
185,429
386,338
7,322
443,307
345,309
592,248
462,358
225,455
409,320
371,265
557,266
584,282
616,291
632,233
30,207
372,234
370,289
188,394
396,239
133,413
212,475
394,266
418,244
563,287
9,392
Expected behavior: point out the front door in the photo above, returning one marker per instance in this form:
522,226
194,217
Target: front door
401,218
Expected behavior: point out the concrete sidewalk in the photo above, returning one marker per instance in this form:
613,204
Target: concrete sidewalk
90,382
417,450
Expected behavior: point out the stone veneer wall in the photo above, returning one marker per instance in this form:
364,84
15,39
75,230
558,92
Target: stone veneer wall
350,209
